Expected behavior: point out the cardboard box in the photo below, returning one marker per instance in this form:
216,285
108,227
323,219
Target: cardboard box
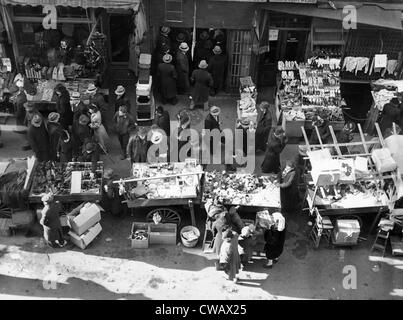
347,231
88,216
383,160
82,241
163,233
22,218
140,244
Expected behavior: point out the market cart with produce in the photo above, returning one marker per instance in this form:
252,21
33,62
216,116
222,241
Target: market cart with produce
308,90
70,183
253,194
350,181
162,187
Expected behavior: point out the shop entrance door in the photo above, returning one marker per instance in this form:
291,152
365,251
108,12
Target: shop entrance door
239,52
120,26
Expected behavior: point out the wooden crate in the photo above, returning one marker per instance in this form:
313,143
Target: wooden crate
293,128
163,233
140,244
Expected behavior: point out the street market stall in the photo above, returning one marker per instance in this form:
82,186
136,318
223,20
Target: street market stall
353,184
70,182
307,90
163,185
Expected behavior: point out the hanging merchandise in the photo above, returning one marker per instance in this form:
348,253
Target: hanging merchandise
380,61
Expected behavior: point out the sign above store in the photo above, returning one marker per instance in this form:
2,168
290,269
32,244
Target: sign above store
295,1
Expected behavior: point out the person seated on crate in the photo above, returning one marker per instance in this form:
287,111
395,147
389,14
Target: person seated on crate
111,200
245,244
50,220
122,99
90,154
345,136
323,128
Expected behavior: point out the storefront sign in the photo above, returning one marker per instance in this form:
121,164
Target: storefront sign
295,1
273,35
50,21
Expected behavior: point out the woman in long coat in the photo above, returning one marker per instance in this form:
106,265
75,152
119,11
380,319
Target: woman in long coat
38,138
265,122
50,220
202,81
275,238
275,145
167,76
100,134
63,106
289,188
229,255
55,131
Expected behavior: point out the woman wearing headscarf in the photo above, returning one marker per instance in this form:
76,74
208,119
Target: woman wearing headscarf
289,194
265,122
63,107
275,238
275,145
100,134
229,255
167,76
50,220
245,244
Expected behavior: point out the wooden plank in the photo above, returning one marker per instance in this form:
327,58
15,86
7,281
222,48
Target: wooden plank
380,136
335,141
364,142
306,138
319,138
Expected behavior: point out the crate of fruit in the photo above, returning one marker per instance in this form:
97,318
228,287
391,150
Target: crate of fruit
139,236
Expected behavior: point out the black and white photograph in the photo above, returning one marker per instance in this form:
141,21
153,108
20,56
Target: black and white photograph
203,155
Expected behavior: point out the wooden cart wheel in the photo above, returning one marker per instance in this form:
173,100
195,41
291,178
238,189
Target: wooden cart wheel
5,211
167,216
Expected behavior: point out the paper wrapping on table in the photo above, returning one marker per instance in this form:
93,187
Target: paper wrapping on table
395,145
75,186
361,165
347,171
82,241
383,160
327,173
88,216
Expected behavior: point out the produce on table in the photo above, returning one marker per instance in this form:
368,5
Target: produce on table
242,189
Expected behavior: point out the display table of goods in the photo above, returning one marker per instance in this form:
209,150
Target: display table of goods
73,181
311,91
242,189
362,194
163,181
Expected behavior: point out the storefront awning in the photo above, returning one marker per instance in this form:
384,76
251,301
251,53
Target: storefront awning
107,4
366,14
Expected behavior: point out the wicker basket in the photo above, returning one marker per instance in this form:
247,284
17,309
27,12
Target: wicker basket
187,243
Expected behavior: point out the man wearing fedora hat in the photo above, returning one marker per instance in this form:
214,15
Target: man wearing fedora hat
217,66
90,154
123,124
55,131
38,138
202,81
122,99
212,122
163,38
97,98
138,145
81,132
167,76
182,69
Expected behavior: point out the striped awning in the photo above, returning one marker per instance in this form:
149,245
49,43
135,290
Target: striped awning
107,4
